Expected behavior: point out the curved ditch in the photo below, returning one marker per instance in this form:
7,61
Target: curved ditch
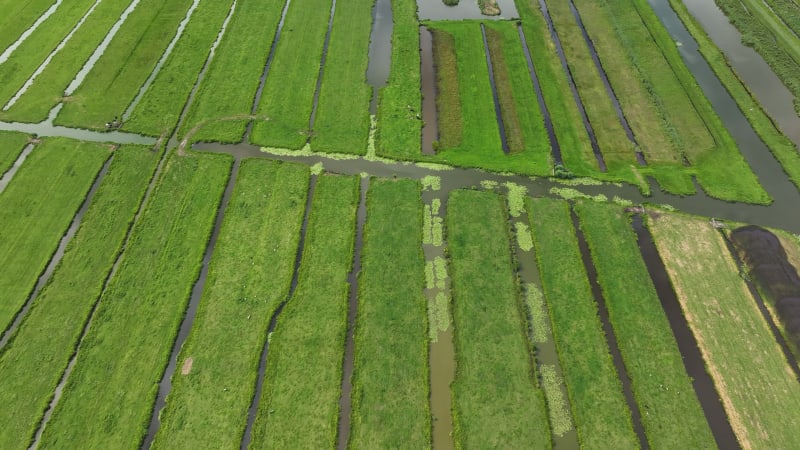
74,358
46,62
611,95
25,35
247,436
165,385
430,121
9,175
762,307
555,148
687,344
578,102
168,51
611,338
498,114
380,50
267,66
321,72
59,253
345,399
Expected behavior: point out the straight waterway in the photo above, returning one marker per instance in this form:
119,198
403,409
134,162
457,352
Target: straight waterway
25,35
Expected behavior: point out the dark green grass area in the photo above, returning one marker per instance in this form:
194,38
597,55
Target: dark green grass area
671,414
11,145
154,116
342,121
126,348
125,65
18,17
48,89
226,96
300,403
505,97
448,100
30,54
399,130
496,400
259,236
32,364
784,150
787,11
288,95
601,415
390,382
36,208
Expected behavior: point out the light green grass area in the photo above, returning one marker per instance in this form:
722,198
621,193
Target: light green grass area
36,209
154,116
11,145
390,381
259,236
226,95
48,89
496,400
288,95
32,364
786,10
756,386
601,415
30,54
342,121
671,414
18,17
126,348
131,56
398,129
300,404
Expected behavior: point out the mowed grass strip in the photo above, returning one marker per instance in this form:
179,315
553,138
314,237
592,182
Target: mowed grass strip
758,390
36,208
671,414
19,17
448,102
39,352
288,94
109,396
11,145
230,85
601,415
154,116
496,401
300,403
390,381
48,89
342,121
259,236
398,129
125,65
508,110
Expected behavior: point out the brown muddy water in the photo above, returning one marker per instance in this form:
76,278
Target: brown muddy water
497,112
430,124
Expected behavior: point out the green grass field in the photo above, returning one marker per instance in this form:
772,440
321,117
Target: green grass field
288,94
390,382
259,235
19,16
153,116
11,145
671,414
496,400
36,209
227,94
125,350
125,65
34,360
598,407
750,373
448,100
342,121
300,404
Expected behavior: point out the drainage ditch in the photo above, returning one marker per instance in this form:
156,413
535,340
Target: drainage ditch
497,112
13,47
430,125
9,175
321,72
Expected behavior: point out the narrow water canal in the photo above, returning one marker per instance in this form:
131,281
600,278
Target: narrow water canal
430,124
497,111
380,50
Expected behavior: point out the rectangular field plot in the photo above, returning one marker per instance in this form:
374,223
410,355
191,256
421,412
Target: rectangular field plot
33,363
595,394
758,390
496,400
661,387
259,236
36,209
108,399
300,402
390,382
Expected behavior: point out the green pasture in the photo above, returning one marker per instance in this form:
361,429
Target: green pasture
448,99
11,146
19,17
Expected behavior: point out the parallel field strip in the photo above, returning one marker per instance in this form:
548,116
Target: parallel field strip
20,17
11,146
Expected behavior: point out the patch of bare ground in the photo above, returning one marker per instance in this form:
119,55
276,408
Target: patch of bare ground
187,366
